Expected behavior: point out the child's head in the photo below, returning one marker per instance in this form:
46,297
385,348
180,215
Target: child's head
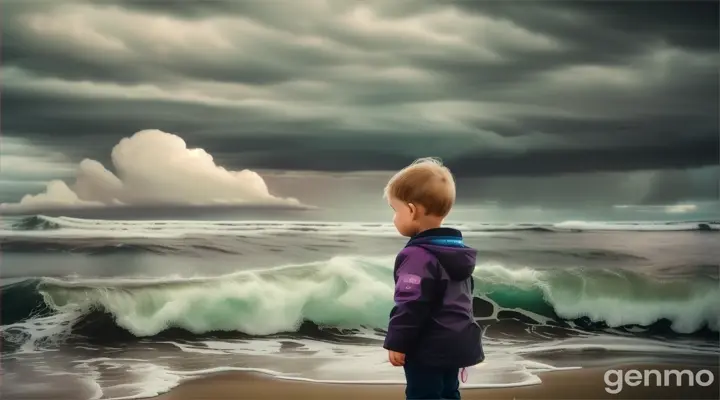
421,194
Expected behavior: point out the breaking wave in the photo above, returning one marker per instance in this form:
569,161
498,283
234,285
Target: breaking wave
351,293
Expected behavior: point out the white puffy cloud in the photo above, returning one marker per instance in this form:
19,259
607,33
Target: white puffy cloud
153,167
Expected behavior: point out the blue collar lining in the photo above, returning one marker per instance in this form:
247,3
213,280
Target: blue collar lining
448,241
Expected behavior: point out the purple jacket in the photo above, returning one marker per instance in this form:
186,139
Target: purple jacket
432,322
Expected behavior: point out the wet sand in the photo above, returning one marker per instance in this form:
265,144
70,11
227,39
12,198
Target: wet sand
587,383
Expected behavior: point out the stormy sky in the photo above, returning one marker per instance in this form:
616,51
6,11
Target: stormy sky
529,102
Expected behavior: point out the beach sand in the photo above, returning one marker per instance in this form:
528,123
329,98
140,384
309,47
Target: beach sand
587,383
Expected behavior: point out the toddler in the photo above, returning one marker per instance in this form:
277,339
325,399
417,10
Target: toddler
432,333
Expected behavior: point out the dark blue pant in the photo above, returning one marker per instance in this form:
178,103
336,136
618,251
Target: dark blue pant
431,383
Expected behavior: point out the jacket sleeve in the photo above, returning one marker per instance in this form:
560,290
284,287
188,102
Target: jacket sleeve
414,296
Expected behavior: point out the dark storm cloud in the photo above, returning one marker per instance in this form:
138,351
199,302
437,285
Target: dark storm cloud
495,88
685,24
540,162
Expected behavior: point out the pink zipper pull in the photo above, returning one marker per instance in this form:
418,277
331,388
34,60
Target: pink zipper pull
463,375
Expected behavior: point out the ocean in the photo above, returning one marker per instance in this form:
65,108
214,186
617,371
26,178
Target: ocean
127,309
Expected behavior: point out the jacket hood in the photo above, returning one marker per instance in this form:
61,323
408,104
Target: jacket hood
446,244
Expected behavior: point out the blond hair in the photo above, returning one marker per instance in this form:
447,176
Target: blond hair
426,182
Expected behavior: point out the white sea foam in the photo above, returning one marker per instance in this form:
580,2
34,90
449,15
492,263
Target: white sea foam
124,377
357,365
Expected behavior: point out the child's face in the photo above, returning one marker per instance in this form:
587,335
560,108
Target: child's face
405,217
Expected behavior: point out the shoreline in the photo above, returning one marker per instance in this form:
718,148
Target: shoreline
583,383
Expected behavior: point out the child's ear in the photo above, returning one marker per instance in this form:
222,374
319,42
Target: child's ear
413,209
